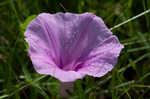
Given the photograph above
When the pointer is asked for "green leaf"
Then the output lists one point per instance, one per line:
(23, 27)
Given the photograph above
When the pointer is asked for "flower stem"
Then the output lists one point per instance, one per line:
(66, 88)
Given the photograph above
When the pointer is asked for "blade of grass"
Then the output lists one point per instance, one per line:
(137, 49)
(123, 85)
(4, 96)
(131, 19)
(146, 16)
(15, 11)
(26, 85)
(146, 75)
(141, 86)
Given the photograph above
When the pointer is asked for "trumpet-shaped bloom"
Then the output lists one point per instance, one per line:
(69, 46)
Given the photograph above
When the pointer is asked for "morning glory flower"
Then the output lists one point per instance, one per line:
(69, 46)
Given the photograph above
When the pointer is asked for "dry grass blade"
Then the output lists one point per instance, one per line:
(131, 19)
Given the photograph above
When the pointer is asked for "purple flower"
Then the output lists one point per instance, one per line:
(69, 46)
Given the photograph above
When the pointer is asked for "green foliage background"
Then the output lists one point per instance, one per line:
(130, 79)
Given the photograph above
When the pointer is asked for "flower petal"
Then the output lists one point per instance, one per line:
(74, 39)
(40, 41)
(43, 66)
(102, 58)
(83, 33)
